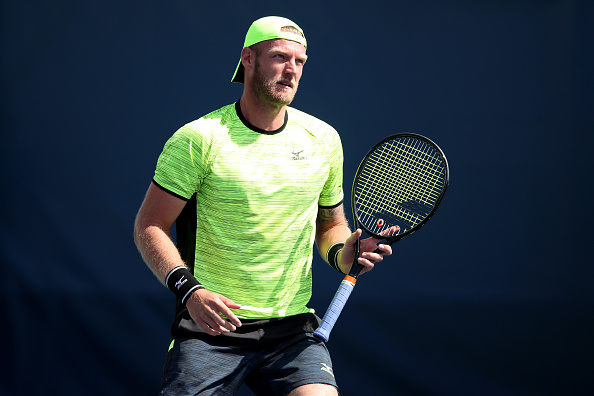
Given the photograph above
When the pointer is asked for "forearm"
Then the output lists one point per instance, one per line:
(157, 250)
(161, 256)
(331, 236)
(332, 228)
(338, 235)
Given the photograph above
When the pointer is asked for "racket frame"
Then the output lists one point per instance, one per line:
(357, 268)
(348, 283)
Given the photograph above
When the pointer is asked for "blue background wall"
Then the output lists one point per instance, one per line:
(493, 297)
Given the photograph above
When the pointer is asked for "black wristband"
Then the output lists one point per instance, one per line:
(182, 283)
(333, 253)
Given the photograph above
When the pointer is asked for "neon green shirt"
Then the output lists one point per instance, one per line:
(257, 196)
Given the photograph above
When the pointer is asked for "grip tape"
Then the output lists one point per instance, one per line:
(335, 308)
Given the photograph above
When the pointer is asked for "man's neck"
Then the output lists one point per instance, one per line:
(268, 117)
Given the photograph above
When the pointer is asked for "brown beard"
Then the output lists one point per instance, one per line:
(266, 89)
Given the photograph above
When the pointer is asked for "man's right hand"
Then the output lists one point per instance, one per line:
(206, 308)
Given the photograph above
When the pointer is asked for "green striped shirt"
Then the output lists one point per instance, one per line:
(257, 197)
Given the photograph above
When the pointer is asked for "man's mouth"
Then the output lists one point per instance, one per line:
(286, 83)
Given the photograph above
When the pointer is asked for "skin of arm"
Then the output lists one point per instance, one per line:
(157, 214)
(332, 227)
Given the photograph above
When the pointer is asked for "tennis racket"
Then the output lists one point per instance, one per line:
(400, 182)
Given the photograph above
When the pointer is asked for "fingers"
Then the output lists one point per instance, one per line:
(218, 323)
(372, 253)
(385, 250)
(390, 231)
(212, 312)
(368, 260)
(228, 313)
(213, 326)
(375, 256)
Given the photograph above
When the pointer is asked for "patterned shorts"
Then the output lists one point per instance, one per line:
(208, 367)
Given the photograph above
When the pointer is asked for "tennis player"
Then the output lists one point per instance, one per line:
(250, 187)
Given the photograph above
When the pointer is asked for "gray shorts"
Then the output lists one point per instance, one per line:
(208, 367)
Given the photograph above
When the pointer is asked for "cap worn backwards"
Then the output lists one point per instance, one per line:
(268, 28)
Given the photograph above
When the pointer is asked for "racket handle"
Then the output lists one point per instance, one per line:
(338, 302)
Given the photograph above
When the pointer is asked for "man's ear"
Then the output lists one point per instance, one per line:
(248, 58)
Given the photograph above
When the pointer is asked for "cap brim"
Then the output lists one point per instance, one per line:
(239, 73)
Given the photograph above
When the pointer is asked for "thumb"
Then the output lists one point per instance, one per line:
(353, 238)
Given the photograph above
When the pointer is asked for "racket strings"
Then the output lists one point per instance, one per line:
(410, 176)
(422, 174)
(400, 183)
(407, 188)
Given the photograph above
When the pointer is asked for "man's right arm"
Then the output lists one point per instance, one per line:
(157, 214)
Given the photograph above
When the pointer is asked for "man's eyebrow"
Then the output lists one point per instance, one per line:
(282, 51)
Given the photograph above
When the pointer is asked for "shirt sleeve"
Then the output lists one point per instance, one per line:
(333, 193)
(181, 167)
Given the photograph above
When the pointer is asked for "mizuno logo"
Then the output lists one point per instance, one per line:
(297, 156)
(327, 369)
(180, 282)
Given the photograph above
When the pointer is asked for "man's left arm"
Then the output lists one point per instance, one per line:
(332, 227)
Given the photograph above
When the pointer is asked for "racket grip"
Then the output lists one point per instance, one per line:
(338, 302)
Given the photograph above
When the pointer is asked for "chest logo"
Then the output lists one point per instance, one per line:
(298, 156)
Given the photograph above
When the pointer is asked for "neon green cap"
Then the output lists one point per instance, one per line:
(268, 28)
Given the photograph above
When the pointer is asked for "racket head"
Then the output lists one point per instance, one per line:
(400, 182)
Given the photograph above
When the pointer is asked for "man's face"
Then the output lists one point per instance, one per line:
(277, 71)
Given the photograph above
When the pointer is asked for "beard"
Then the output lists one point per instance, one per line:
(266, 89)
